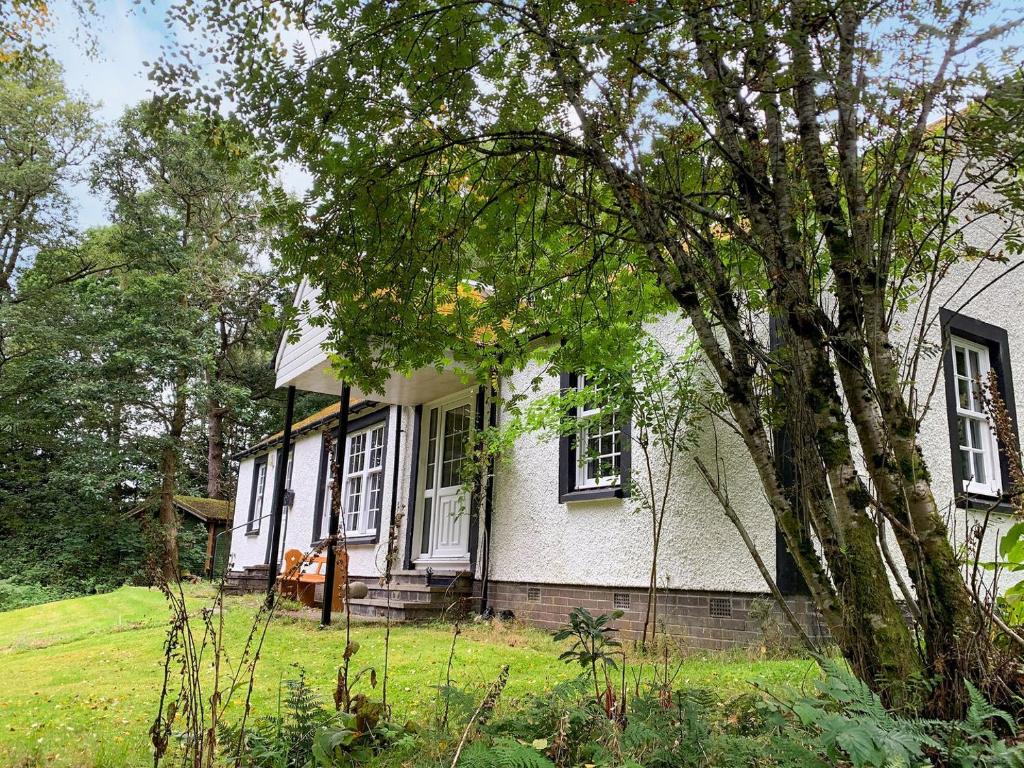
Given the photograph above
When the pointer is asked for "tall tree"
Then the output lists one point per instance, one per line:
(74, 452)
(595, 163)
(47, 136)
(186, 195)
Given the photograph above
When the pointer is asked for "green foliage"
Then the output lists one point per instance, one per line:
(689, 727)
(16, 594)
(308, 733)
(848, 722)
(116, 345)
(593, 648)
(554, 177)
(285, 740)
(1011, 559)
(593, 638)
(192, 540)
(503, 753)
(46, 137)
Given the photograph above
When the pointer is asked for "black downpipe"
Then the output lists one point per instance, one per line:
(333, 525)
(492, 421)
(279, 489)
(414, 470)
(394, 473)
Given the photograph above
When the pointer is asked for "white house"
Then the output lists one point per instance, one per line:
(551, 532)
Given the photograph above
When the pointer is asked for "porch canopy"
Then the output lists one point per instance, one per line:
(303, 364)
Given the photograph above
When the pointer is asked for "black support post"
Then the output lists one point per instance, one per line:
(485, 568)
(279, 481)
(332, 529)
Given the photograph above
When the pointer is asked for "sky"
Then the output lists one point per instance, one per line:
(126, 34)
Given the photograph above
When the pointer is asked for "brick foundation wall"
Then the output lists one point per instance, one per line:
(697, 619)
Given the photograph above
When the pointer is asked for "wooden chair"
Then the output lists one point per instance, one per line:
(288, 581)
(308, 578)
(317, 574)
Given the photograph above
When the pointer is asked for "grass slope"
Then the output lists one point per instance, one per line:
(81, 677)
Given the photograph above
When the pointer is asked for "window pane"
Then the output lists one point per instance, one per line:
(965, 465)
(431, 449)
(975, 433)
(961, 430)
(357, 453)
(961, 363)
(962, 390)
(376, 447)
(977, 402)
(456, 432)
(376, 493)
(425, 537)
(353, 502)
(975, 365)
(980, 475)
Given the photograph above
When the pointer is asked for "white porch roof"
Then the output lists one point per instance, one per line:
(303, 364)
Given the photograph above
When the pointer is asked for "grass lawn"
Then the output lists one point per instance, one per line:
(80, 678)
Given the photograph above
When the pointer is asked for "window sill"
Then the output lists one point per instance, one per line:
(252, 533)
(354, 541)
(976, 502)
(593, 494)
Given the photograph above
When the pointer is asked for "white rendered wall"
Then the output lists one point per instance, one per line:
(999, 303)
(366, 560)
(609, 542)
(251, 548)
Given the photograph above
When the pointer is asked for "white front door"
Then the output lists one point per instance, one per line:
(444, 525)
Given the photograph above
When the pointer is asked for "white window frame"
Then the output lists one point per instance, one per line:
(361, 521)
(987, 449)
(583, 462)
(257, 505)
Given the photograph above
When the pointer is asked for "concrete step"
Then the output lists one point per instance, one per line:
(407, 611)
(413, 595)
(418, 593)
(434, 578)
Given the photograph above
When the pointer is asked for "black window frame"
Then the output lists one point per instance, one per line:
(568, 460)
(996, 340)
(252, 523)
(354, 425)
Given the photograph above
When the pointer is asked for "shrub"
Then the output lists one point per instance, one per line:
(848, 722)
(306, 733)
(690, 727)
(15, 594)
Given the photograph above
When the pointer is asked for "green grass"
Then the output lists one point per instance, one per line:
(80, 678)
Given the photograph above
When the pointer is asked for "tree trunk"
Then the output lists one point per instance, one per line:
(215, 450)
(168, 517)
(168, 478)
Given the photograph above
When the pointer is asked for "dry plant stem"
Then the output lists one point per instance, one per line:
(456, 631)
(1003, 422)
(342, 693)
(389, 563)
(484, 710)
(201, 725)
(734, 518)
